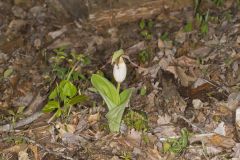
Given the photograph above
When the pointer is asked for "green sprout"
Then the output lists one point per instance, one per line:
(137, 120)
(175, 145)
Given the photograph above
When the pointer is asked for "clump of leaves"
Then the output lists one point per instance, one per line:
(175, 145)
(63, 61)
(16, 115)
(62, 98)
(144, 56)
(137, 120)
(61, 73)
(116, 102)
(146, 27)
(164, 36)
(202, 22)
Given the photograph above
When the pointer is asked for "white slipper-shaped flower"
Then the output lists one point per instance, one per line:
(120, 70)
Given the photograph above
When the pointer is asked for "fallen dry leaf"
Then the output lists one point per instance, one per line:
(197, 104)
(165, 119)
(94, 118)
(23, 155)
(154, 154)
(221, 141)
(221, 130)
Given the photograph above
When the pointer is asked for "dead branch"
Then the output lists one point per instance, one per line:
(135, 12)
(23, 122)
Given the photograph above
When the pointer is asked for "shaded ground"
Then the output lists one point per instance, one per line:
(191, 81)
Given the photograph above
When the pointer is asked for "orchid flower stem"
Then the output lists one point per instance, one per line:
(118, 87)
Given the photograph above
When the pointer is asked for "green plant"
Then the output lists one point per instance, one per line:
(63, 97)
(62, 72)
(116, 102)
(16, 115)
(144, 56)
(177, 145)
(136, 119)
(202, 22)
(164, 36)
(188, 27)
(146, 26)
(63, 61)
(126, 156)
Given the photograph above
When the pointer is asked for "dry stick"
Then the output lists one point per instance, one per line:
(23, 122)
(138, 10)
(191, 124)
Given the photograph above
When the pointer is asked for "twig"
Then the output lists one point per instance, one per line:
(23, 122)
(191, 124)
(197, 136)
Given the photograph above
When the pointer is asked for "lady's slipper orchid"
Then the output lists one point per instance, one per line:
(120, 70)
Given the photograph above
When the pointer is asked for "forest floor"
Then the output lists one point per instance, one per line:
(184, 70)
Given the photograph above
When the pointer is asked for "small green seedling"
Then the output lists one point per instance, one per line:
(188, 27)
(175, 145)
(146, 27)
(15, 116)
(126, 155)
(137, 120)
(164, 36)
(144, 56)
(202, 21)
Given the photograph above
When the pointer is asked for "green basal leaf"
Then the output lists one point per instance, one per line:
(126, 95)
(50, 106)
(116, 55)
(114, 115)
(68, 89)
(106, 89)
(77, 99)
